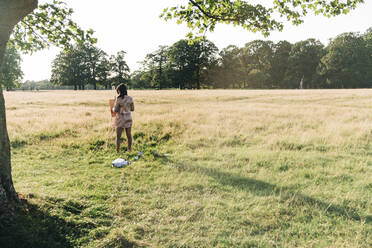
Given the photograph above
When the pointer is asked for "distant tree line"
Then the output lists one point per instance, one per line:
(86, 64)
(46, 84)
(42, 85)
(345, 63)
(182, 65)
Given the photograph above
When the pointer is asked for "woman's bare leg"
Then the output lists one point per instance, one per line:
(119, 131)
(128, 132)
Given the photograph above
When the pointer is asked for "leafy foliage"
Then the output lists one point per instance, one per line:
(67, 69)
(11, 72)
(279, 63)
(227, 70)
(119, 68)
(204, 15)
(94, 63)
(86, 64)
(50, 23)
(189, 61)
(157, 63)
(345, 63)
(183, 65)
(303, 62)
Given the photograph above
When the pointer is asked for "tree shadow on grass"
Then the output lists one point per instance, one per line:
(261, 188)
(34, 227)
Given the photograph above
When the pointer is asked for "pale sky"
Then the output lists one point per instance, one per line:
(135, 27)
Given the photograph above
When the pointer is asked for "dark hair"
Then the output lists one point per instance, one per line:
(122, 90)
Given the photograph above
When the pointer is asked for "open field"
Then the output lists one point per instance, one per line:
(221, 168)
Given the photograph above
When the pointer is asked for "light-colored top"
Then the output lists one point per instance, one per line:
(122, 108)
(123, 105)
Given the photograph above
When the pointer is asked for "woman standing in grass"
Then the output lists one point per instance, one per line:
(123, 120)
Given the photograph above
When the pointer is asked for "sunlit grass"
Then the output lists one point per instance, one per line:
(221, 168)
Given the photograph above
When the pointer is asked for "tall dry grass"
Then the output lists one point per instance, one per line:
(327, 117)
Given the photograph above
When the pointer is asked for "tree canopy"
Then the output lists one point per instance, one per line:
(85, 64)
(183, 65)
(347, 62)
(11, 72)
(50, 23)
(204, 15)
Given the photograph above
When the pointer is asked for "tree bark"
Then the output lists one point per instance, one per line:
(11, 12)
(198, 78)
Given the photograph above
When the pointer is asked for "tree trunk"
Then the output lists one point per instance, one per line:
(198, 78)
(11, 12)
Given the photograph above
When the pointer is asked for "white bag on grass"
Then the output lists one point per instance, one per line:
(119, 162)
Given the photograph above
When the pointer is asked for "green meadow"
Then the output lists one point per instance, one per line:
(220, 168)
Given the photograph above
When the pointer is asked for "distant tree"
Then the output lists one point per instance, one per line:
(82, 64)
(367, 36)
(11, 73)
(346, 64)
(104, 72)
(303, 63)
(246, 65)
(227, 71)
(157, 64)
(68, 68)
(146, 80)
(140, 80)
(255, 59)
(189, 60)
(119, 68)
(93, 61)
(205, 56)
(181, 63)
(280, 64)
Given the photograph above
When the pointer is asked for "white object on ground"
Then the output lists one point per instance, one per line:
(119, 162)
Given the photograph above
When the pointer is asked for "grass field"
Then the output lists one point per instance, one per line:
(221, 168)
